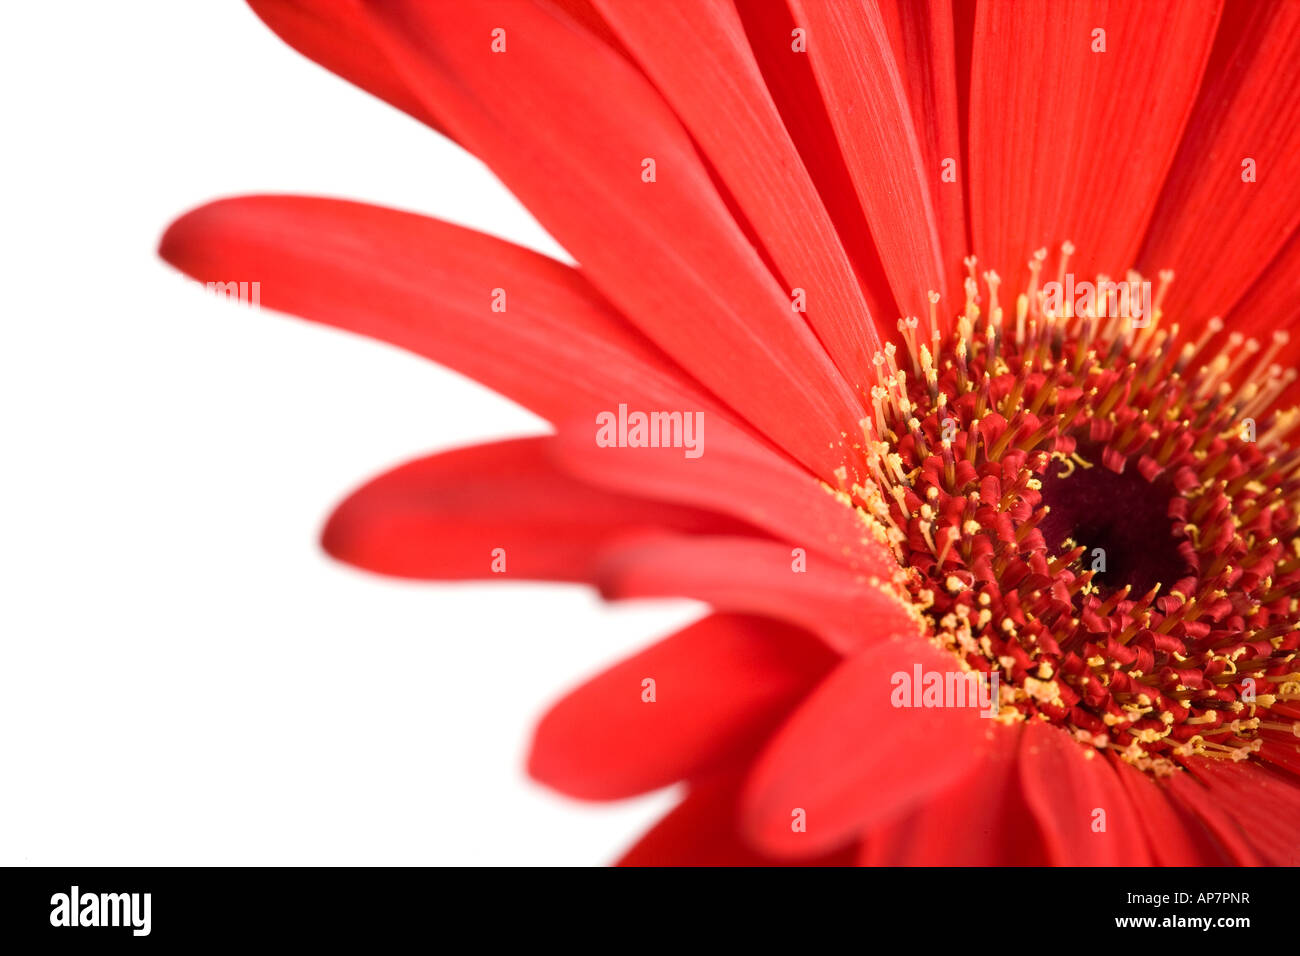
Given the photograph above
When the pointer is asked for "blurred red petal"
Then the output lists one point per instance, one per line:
(1282, 750)
(427, 286)
(336, 34)
(1264, 802)
(1192, 797)
(1086, 816)
(851, 761)
(981, 820)
(445, 516)
(701, 831)
(1175, 836)
(739, 476)
(721, 685)
(588, 14)
(847, 609)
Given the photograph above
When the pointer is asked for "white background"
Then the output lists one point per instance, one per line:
(184, 677)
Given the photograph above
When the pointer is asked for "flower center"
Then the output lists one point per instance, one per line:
(1121, 520)
(1083, 503)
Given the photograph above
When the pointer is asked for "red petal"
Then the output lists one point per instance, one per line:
(1269, 310)
(1193, 798)
(427, 286)
(445, 516)
(592, 20)
(721, 685)
(1070, 144)
(735, 475)
(922, 35)
(701, 831)
(699, 59)
(848, 610)
(790, 81)
(1264, 802)
(1217, 232)
(853, 61)
(993, 828)
(566, 123)
(1280, 750)
(336, 34)
(1175, 836)
(1272, 305)
(851, 761)
(1065, 786)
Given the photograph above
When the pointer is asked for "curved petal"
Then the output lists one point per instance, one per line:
(568, 124)
(850, 760)
(701, 831)
(848, 610)
(488, 511)
(853, 60)
(1217, 231)
(1086, 816)
(697, 55)
(336, 34)
(1071, 144)
(737, 475)
(992, 825)
(547, 340)
(720, 686)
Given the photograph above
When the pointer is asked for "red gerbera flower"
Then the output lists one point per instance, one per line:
(1070, 496)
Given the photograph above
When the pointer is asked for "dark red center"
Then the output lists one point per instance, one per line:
(1080, 507)
(1121, 520)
